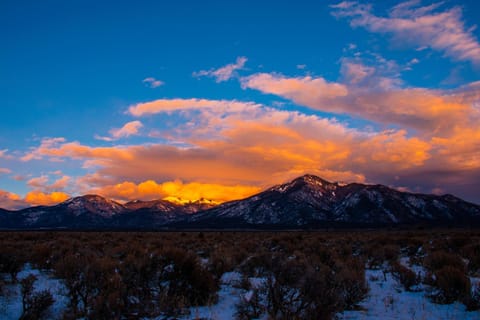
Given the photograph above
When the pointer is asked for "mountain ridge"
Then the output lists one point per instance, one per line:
(304, 202)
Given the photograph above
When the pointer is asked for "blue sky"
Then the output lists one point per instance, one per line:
(71, 70)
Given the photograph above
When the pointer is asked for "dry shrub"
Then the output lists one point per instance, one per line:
(250, 306)
(439, 259)
(185, 282)
(257, 265)
(472, 253)
(473, 302)
(11, 262)
(378, 254)
(34, 304)
(452, 285)
(352, 283)
(404, 275)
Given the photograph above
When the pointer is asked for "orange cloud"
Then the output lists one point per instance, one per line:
(244, 144)
(60, 184)
(377, 98)
(55, 148)
(251, 145)
(10, 201)
(461, 150)
(37, 198)
(394, 148)
(150, 190)
(301, 89)
(41, 183)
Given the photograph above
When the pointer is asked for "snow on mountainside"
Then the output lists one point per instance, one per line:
(310, 201)
(305, 202)
(161, 205)
(93, 203)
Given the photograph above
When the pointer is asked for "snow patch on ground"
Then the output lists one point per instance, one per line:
(388, 300)
(11, 300)
(228, 298)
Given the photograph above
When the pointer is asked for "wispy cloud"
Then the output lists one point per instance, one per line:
(4, 154)
(46, 143)
(377, 93)
(169, 105)
(153, 83)
(5, 171)
(224, 73)
(421, 26)
(129, 129)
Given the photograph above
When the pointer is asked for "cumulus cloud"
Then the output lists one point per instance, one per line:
(175, 190)
(38, 182)
(11, 201)
(152, 82)
(38, 198)
(42, 183)
(422, 26)
(228, 143)
(42, 193)
(246, 145)
(224, 73)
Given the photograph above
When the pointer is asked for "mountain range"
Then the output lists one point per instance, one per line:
(308, 202)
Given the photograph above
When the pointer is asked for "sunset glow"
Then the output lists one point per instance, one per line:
(156, 101)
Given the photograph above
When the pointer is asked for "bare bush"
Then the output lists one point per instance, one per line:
(452, 284)
(34, 304)
(404, 275)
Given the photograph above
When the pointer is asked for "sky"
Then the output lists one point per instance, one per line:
(184, 100)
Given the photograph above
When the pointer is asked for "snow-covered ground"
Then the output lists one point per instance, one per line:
(228, 297)
(386, 299)
(11, 301)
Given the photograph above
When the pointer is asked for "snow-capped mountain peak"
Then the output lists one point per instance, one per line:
(305, 202)
(94, 204)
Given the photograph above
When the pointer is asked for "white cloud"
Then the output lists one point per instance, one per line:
(224, 73)
(152, 82)
(420, 26)
(129, 129)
